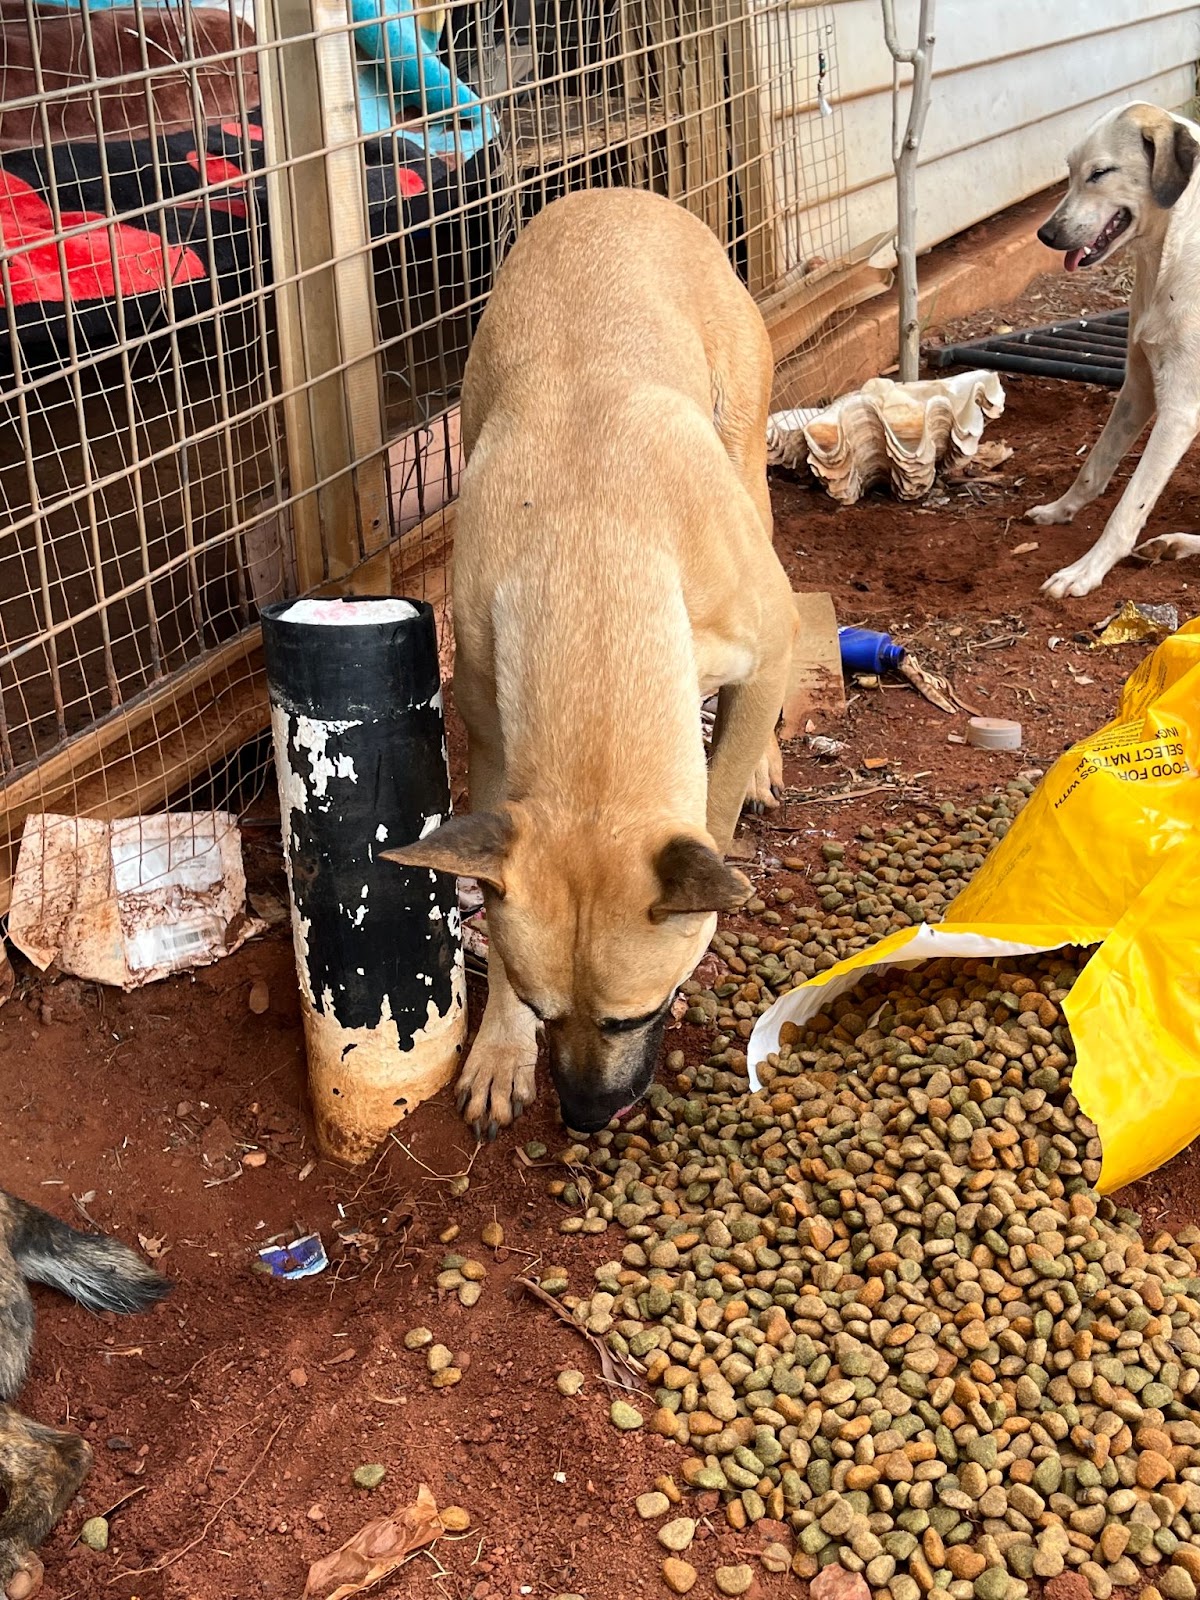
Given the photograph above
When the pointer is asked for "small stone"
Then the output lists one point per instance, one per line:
(570, 1382)
(455, 1519)
(94, 1533)
(316, 1512)
(679, 1576)
(447, 1378)
(733, 1580)
(255, 1158)
(625, 1416)
(298, 1378)
(677, 1534)
(1068, 1586)
(776, 1557)
(652, 1505)
(438, 1358)
(260, 1000)
(368, 1477)
(835, 1583)
(492, 1235)
(417, 1338)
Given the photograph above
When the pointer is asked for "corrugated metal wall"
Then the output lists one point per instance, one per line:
(1016, 81)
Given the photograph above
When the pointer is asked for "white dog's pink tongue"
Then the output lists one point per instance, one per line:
(1073, 258)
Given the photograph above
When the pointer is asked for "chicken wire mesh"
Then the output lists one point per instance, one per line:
(242, 249)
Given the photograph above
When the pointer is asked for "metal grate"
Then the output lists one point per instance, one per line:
(1086, 350)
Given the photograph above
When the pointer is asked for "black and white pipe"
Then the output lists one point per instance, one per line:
(360, 754)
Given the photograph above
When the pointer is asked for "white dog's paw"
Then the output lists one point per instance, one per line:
(497, 1082)
(765, 790)
(1045, 516)
(1169, 547)
(1080, 578)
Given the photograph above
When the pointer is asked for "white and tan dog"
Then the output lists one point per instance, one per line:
(613, 566)
(1133, 185)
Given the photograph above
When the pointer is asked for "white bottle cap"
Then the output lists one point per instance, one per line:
(993, 733)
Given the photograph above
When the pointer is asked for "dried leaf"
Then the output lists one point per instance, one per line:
(375, 1551)
(1025, 549)
(981, 466)
(153, 1248)
(340, 1359)
(936, 689)
(614, 1371)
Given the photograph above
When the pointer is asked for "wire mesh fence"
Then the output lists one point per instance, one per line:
(242, 250)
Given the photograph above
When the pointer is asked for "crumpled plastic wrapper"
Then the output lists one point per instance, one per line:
(1135, 622)
(130, 901)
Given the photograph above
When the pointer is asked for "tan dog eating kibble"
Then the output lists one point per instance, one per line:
(613, 566)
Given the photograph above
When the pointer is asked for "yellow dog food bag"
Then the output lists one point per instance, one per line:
(1106, 852)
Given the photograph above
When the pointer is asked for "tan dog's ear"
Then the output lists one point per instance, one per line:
(693, 878)
(1171, 150)
(474, 846)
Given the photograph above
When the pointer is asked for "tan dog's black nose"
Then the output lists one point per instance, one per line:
(1048, 234)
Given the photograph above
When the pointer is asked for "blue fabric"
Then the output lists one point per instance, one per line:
(389, 37)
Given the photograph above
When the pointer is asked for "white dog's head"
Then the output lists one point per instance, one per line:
(1126, 173)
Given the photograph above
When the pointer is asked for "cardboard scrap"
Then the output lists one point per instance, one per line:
(816, 686)
(130, 901)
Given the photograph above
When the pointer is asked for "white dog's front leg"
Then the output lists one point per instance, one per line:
(1173, 432)
(1131, 412)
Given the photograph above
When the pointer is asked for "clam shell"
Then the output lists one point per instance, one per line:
(885, 432)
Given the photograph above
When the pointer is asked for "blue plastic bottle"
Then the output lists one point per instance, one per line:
(863, 650)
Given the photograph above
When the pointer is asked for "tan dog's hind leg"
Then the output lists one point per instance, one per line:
(498, 1079)
(1132, 410)
(1169, 439)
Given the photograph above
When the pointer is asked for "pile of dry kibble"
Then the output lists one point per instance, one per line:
(881, 1302)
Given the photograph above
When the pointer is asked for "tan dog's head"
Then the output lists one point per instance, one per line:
(596, 931)
(1125, 175)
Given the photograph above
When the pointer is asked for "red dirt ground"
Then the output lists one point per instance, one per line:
(236, 1412)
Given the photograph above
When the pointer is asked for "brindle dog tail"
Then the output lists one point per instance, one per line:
(100, 1273)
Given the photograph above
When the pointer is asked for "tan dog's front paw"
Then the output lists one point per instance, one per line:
(497, 1082)
(766, 786)
(1045, 516)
